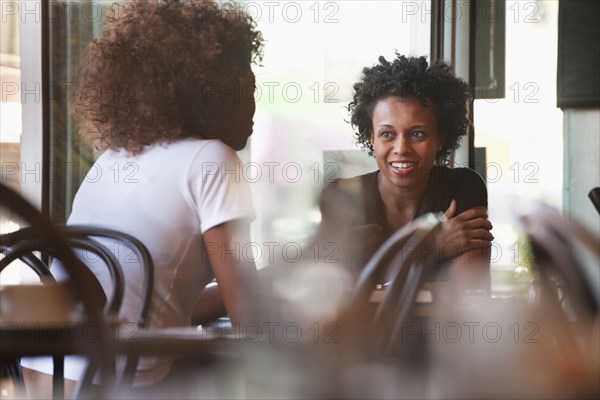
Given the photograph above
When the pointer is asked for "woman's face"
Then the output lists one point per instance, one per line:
(405, 140)
(240, 124)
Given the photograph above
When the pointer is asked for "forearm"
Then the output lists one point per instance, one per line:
(236, 276)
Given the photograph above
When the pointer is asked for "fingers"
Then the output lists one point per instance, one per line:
(451, 209)
(479, 223)
(479, 234)
(473, 213)
(479, 243)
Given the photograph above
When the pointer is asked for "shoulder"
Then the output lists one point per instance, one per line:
(456, 175)
(207, 150)
(464, 185)
(210, 156)
(348, 187)
(456, 178)
(344, 199)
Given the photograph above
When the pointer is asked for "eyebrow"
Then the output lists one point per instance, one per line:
(412, 127)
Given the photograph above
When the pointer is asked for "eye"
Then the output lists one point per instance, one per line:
(386, 134)
(418, 134)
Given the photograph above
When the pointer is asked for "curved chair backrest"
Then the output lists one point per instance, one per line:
(40, 224)
(92, 307)
(550, 234)
(41, 269)
(27, 241)
(23, 243)
(401, 258)
(91, 233)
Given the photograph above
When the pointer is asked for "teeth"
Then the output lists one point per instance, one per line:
(400, 165)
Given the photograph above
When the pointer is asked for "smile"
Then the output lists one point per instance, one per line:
(403, 165)
(403, 168)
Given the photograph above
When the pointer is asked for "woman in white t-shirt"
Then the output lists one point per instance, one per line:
(167, 93)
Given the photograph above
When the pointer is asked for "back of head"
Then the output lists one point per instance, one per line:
(159, 70)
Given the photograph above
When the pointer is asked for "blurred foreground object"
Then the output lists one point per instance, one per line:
(26, 333)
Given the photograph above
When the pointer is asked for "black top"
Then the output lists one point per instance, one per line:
(356, 201)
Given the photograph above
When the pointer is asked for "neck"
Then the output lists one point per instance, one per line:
(403, 201)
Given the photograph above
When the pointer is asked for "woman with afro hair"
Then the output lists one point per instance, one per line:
(166, 94)
(410, 115)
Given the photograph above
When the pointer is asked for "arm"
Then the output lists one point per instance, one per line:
(467, 238)
(224, 206)
(466, 231)
(236, 276)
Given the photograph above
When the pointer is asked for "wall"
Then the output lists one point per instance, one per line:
(581, 130)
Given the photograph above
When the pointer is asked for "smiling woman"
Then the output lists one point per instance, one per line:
(405, 140)
(410, 116)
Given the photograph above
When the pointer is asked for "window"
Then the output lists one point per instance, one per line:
(314, 53)
(10, 104)
(522, 136)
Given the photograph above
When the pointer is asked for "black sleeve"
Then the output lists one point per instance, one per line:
(330, 196)
(341, 202)
(470, 190)
(342, 205)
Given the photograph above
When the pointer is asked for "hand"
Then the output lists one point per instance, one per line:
(468, 230)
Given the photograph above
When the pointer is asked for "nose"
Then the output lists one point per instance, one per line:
(402, 145)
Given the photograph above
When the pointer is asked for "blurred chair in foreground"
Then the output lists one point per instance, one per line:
(403, 260)
(542, 347)
(26, 309)
(476, 346)
(34, 249)
(558, 245)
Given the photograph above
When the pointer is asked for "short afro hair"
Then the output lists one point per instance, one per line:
(411, 77)
(159, 72)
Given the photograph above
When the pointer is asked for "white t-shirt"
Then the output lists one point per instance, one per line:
(167, 197)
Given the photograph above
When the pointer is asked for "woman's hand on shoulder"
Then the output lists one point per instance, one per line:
(467, 230)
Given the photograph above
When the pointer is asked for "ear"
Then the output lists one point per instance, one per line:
(440, 143)
(372, 140)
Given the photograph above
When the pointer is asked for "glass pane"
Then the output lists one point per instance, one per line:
(522, 135)
(72, 25)
(10, 129)
(314, 53)
(10, 105)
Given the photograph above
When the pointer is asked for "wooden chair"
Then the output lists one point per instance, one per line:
(556, 242)
(403, 258)
(91, 234)
(79, 238)
(80, 282)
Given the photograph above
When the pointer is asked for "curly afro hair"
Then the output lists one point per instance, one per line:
(411, 77)
(164, 70)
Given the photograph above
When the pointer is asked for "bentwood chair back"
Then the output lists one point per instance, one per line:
(80, 283)
(26, 243)
(102, 239)
(403, 258)
(557, 243)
